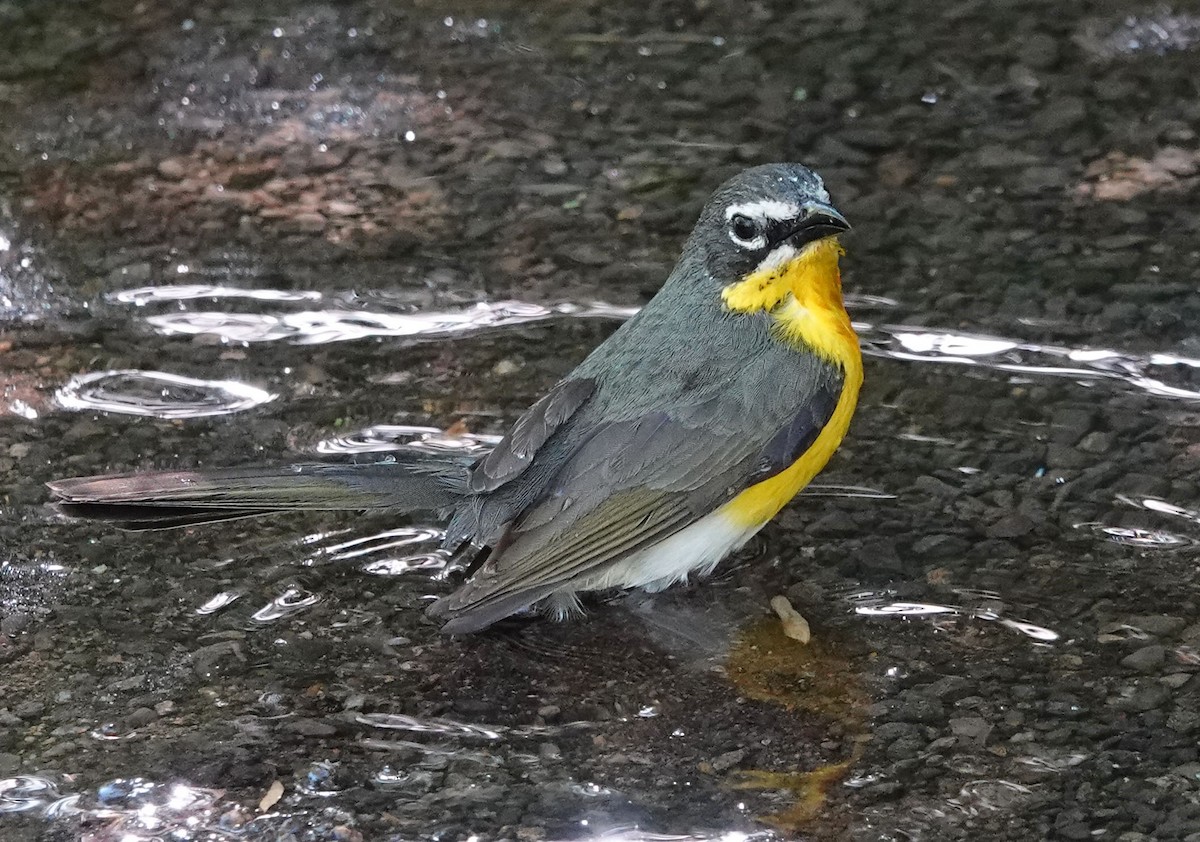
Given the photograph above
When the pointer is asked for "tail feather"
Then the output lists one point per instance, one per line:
(162, 499)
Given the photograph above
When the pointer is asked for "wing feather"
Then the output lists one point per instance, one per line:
(629, 485)
(516, 451)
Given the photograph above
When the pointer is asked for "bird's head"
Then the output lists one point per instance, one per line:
(767, 233)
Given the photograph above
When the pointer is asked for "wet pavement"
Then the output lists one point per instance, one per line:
(234, 234)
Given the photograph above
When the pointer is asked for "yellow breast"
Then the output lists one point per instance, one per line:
(804, 296)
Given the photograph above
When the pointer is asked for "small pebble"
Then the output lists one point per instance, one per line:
(794, 625)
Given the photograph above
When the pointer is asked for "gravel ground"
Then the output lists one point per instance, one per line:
(1005, 614)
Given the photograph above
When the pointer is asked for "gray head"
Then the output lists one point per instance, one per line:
(758, 211)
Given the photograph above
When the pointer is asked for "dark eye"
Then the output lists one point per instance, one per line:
(743, 227)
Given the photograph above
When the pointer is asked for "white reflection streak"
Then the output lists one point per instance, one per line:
(432, 725)
(901, 342)
(188, 292)
(385, 437)
(871, 604)
(404, 537)
(312, 327)
(128, 392)
(1000, 354)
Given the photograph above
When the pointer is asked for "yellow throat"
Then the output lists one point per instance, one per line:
(803, 293)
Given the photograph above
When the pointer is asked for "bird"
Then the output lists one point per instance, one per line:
(665, 450)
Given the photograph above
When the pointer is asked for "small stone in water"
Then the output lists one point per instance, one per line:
(794, 625)
(271, 798)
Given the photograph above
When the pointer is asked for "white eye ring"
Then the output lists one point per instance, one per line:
(740, 220)
(760, 213)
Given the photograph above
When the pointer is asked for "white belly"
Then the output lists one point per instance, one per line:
(696, 548)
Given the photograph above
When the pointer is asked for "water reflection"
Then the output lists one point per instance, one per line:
(321, 326)
(217, 602)
(26, 292)
(136, 810)
(989, 795)
(884, 604)
(390, 319)
(1147, 372)
(915, 344)
(291, 601)
(422, 552)
(142, 296)
(859, 492)
(26, 792)
(384, 437)
(157, 394)
(430, 725)
(1151, 539)
(1163, 507)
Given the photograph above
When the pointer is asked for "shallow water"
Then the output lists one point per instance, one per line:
(232, 236)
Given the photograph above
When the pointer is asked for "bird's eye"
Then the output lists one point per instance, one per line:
(743, 227)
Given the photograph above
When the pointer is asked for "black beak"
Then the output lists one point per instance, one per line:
(819, 220)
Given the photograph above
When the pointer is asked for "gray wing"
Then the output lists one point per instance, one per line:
(516, 450)
(630, 485)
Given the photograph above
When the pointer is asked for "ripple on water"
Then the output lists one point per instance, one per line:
(311, 327)
(863, 492)
(444, 727)
(900, 342)
(376, 553)
(123, 808)
(919, 344)
(343, 324)
(26, 792)
(156, 394)
(217, 602)
(1148, 539)
(989, 795)
(884, 604)
(142, 296)
(291, 601)
(1163, 507)
(430, 725)
(386, 437)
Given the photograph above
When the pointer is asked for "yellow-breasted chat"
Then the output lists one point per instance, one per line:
(666, 449)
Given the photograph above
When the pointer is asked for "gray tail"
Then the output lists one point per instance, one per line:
(164, 499)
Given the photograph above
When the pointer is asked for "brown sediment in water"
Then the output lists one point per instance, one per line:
(817, 678)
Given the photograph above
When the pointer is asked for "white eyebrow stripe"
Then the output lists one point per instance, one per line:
(771, 209)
